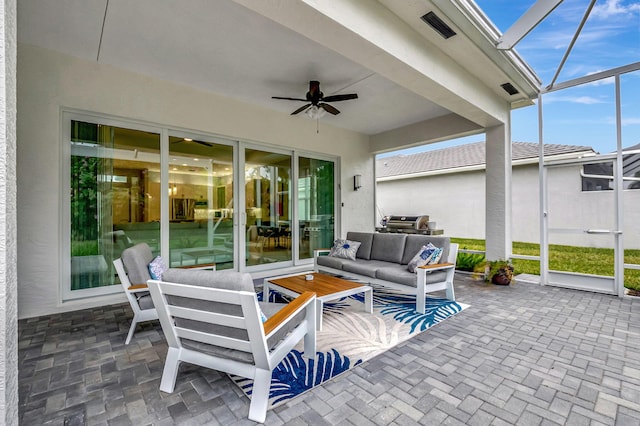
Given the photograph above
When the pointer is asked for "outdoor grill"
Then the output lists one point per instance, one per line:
(407, 223)
(411, 225)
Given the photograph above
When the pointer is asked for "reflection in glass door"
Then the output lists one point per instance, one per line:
(267, 182)
(200, 203)
(316, 205)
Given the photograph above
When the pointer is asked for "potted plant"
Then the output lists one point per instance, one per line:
(498, 272)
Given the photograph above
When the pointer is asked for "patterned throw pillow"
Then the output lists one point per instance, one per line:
(157, 267)
(423, 257)
(344, 248)
(435, 258)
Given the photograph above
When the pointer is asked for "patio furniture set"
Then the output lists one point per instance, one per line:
(214, 319)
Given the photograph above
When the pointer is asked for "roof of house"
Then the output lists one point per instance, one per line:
(472, 154)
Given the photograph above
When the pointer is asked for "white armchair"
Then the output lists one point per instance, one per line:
(212, 319)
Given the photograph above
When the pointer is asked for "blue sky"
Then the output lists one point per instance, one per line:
(583, 115)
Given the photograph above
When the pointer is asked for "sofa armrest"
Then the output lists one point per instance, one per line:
(321, 252)
(135, 288)
(437, 267)
(289, 311)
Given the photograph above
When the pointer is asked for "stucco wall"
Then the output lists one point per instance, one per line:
(49, 81)
(456, 203)
(8, 275)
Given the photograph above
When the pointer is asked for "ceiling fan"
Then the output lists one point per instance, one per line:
(317, 100)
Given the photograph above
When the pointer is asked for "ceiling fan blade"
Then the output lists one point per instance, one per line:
(330, 109)
(336, 98)
(302, 108)
(289, 99)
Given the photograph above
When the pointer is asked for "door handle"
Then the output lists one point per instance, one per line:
(598, 231)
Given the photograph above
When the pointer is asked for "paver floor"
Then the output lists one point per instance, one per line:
(524, 355)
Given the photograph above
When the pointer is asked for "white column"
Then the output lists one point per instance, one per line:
(8, 274)
(498, 192)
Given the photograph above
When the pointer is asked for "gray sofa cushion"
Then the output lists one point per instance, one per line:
(388, 247)
(400, 274)
(331, 262)
(367, 268)
(136, 261)
(415, 242)
(366, 240)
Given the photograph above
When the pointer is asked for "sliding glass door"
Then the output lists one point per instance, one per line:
(267, 182)
(200, 202)
(176, 191)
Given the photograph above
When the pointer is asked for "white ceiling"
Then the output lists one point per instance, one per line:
(223, 47)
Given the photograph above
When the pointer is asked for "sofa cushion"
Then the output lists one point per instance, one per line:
(414, 242)
(399, 274)
(366, 240)
(367, 268)
(136, 260)
(331, 262)
(389, 247)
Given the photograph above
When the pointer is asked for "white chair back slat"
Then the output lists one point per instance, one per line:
(208, 317)
(203, 293)
(214, 339)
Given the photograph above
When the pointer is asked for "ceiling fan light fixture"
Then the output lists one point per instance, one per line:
(314, 112)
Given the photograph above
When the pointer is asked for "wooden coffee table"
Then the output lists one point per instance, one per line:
(326, 287)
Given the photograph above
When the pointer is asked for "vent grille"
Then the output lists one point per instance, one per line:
(438, 24)
(508, 87)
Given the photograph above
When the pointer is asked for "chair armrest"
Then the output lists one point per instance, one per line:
(437, 267)
(134, 288)
(289, 311)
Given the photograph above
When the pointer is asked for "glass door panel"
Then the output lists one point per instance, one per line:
(200, 203)
(115, 198)
(316, 205)
(267, 183)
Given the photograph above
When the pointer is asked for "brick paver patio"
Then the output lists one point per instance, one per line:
(524, 354)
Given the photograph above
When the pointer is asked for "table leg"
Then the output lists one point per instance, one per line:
(319, 306)
(265, 290)
(368, 300)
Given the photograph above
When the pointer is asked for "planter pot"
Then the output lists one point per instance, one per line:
(501, 279)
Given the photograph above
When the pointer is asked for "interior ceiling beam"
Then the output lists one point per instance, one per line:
(526, 23)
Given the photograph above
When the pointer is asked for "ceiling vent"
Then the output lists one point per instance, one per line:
(508, 87)
(438, 24)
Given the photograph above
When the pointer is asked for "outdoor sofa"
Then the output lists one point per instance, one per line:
(383, 258)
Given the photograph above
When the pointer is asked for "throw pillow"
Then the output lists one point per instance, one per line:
(344, 248)
(157, 267)
(422, 258)
(435, 258)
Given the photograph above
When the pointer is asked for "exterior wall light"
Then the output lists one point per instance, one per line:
(357, 182)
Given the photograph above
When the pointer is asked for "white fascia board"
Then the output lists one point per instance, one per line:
(476, 167)
(467, 16)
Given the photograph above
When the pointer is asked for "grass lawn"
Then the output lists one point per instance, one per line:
(586, 260)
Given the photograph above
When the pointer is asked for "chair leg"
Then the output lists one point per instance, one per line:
(260, 396)
(449, 291)
(310, 337)
(170, 372)
(132, 329)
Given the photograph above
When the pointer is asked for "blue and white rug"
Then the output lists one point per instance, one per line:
(351, 336)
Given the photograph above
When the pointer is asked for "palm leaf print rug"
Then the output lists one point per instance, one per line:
(351, 336)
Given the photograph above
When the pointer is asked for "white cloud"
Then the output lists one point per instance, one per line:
(583, 100)
(614, 8)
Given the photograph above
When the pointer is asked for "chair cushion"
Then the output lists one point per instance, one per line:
(136, 260)
(400, 274)
(367, 268)
(144, 300)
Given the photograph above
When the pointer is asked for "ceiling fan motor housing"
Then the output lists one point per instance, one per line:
(314, 95)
